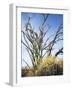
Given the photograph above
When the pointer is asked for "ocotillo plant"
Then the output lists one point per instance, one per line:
(35, 44)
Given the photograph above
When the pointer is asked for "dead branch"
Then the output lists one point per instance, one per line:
(60, 51)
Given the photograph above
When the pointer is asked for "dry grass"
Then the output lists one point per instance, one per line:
(49, 66)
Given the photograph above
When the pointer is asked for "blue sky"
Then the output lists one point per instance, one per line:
(54, 20)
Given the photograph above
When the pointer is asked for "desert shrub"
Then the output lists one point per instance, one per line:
(27, 72)
(50, 66)
(23, 72)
